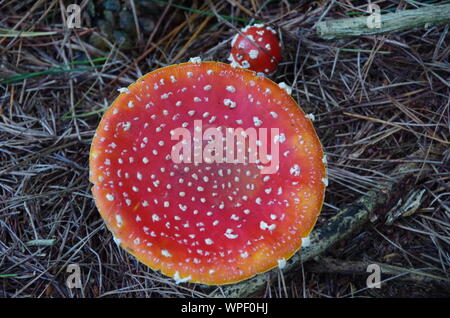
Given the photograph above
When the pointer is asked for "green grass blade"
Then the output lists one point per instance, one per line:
(361, 50)
(8, 275)
(98, 59)
(226, 17)
(18, 78)
(94, 112)
(6, 33)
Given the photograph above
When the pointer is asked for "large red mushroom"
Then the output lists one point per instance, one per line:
(212, 222)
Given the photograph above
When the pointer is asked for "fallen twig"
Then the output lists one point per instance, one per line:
(424, 17)
(331, 265)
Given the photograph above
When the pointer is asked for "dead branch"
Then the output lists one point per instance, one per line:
(331, 265)
(424, 17)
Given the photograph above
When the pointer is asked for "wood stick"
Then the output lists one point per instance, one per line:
(424, 17)
(331, 265)
(49, 242)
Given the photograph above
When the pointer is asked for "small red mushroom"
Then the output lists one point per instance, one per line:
(213, 222)
(256, 47)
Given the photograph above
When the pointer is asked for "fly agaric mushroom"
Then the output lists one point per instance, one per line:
(257, 47)
(211, 221)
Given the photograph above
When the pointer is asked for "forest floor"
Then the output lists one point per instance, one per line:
(377, 100)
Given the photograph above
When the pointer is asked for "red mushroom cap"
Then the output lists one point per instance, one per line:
(257, 47)
(209, 222)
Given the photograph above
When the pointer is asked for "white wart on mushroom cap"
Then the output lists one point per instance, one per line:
(212, 223)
